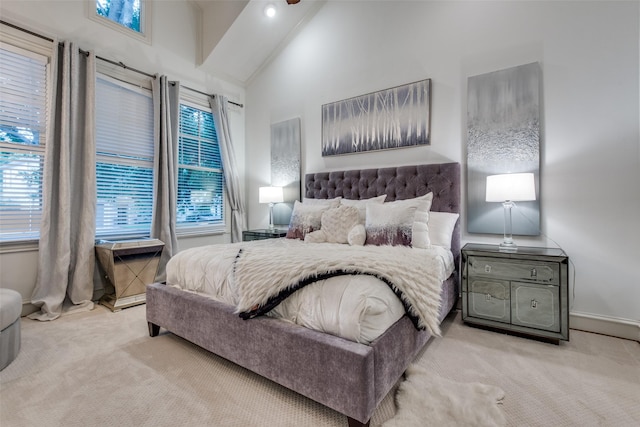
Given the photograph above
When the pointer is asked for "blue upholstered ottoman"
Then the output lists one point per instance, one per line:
(10, 309)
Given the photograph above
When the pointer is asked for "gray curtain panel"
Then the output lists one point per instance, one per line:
(166, 104)
(66, 255)
(236, 201)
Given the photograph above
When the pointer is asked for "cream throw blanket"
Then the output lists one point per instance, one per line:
(415, 275)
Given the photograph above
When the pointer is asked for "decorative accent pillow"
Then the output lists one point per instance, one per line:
(392, 223)
(317, 236)
(338, 222)
(305, 219)
(357, 235)
(441, 226)
(420, 230)
(361, 205)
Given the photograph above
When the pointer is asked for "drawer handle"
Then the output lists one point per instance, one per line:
(487, 268)
(534, 273)
(487, 297)
(534, 303)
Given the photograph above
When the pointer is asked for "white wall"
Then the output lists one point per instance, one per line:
(590, 156)
(174, 51)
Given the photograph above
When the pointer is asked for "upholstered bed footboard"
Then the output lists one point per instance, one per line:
(330, 370)
(348, 377)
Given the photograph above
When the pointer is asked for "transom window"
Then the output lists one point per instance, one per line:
(131, 17)
(123, 12)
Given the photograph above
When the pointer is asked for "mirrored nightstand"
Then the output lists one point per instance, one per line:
(263, 233)
(524, 292)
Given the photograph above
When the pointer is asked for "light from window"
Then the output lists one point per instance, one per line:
(124, 12)
(23, 89)
(200, 176)
(124, 159)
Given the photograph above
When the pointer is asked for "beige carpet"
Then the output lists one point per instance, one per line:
(102, 369)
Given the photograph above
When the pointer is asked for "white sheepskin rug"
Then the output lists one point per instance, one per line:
(426, 399)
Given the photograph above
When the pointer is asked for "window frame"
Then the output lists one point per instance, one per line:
(145, 21)
(186, 230)
(31, 45)
(143, 87)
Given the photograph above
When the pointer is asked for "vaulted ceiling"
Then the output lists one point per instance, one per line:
(238, 39)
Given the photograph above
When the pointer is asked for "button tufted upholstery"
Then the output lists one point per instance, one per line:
(398, 183)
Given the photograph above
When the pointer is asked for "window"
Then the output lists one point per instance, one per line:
(200, 178)
(23, 100)
(124, 159)
(123, 12)
(127, 16)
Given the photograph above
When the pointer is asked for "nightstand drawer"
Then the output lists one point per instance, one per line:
(535, 306)
(490, 299)
(511, 269)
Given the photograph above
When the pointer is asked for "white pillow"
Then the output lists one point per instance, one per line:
(338, 222)
(357, 235)
(361, 205)
(441, 226)
(317, 236)
(332, 203)
(420, 230)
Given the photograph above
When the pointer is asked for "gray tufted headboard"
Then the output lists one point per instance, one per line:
(398, 183)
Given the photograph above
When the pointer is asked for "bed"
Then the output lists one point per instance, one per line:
(348, 376)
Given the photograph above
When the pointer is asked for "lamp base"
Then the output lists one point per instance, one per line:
(508, 247)
(507, 244)
(271, 226)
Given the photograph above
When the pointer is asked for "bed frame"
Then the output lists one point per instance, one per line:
(348, 377)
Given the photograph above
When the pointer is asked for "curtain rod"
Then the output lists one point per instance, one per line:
(206, 94)
(24, 30)
(119, 63)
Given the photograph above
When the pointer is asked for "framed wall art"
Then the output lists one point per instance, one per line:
(503, 137)
(285, 166)
(392, 118)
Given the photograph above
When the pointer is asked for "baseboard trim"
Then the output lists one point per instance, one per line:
(615, 327)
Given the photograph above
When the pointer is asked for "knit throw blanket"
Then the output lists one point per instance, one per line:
(264, 276)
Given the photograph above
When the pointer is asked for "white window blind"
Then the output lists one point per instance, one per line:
(23, 116)
(124, 159)
(200, 178)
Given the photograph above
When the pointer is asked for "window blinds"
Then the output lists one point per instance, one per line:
(124, 159)
(23, 95)
(200, 177)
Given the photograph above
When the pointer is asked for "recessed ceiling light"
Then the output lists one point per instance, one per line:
(270, 10)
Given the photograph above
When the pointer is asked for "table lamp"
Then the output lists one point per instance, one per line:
(508, 188)
(271, 195)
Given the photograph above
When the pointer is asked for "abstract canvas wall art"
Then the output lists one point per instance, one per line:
(285, 166)
(391, 118)
(503, 136)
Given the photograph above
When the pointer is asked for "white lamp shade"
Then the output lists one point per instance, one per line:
(511, 186)
(271, 195)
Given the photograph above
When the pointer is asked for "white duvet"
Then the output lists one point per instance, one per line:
(355, 307)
